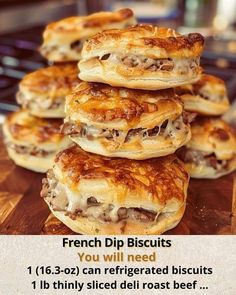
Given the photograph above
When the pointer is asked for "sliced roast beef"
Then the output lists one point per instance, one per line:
(201, 158)
(141, 214)
(28, 150)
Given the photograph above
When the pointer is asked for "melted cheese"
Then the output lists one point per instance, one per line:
(75, 201)
(117, 141)
(181, 65)
(171, 130)
(66, 200)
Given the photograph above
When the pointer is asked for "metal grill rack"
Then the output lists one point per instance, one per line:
(18, 56)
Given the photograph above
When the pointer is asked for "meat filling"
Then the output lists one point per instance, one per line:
(75, 46)
(203, 93)
(38, 102)
(56, 196)
(29, 150)
(182, 66)
(167, 129)
(214, 97)
(202, 158)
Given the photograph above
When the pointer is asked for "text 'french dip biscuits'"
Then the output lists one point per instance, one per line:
(211, 152)
(121, 122)
(142, 57)
(43, 92)
(63, 40)
(208, 96)
(98, 195)
(33, 142)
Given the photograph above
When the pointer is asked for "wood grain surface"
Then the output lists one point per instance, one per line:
(211, 204)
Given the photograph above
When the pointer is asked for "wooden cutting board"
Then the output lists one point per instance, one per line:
(211, 205)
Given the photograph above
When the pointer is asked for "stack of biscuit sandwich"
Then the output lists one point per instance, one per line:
(32, 134)
(122, 176)
(211, 152)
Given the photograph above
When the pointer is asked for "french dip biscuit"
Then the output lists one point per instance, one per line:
(121, 122)
(208, 96)
(98, 195)
(211, 152)
(43, 92)
(142, 57)
(33, 142)
(63, 40)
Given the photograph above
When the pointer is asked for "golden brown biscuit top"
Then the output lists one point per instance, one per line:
(213, 84)
(99, 19)
(213, 135)
(164, 177)
(24, 127)
(57, 80)
(147, 37)
(217, 128)
(104, 103)
(209, 79)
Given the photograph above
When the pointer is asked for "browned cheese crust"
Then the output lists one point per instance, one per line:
(26, 128)
(151, 40)
(164, 178)
(103, 103)
(54, 81)
(99, 19)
